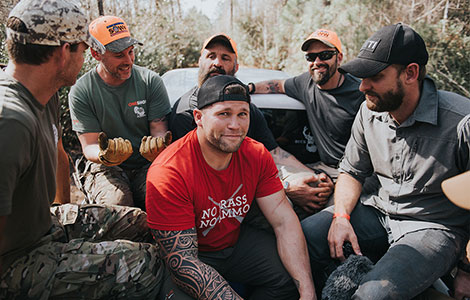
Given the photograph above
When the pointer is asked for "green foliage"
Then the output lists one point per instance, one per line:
(3, 52)
(269, 34)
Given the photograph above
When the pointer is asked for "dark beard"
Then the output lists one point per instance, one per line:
(203, 76)
(390, 101)
(322, 78)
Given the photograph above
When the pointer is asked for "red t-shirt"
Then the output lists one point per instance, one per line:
(183, 191)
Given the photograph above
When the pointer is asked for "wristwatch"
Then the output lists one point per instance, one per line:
(251, 88)
(285, 184)
(463, 266)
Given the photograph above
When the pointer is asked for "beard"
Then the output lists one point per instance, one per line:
(389, 101)
(321, 78)
(204, 75)
(221, 145)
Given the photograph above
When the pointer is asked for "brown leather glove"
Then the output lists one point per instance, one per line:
(151, 147)
(113, 151)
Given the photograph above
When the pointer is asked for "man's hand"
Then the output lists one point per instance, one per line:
(341, 231)
(113, 151)
(309, 191)
(151, 147)
(462, 285)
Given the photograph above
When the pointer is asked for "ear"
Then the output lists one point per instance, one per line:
(236, 66)
(197, 114)
(411, 73)
(61, 55)
(95, 54)
(340, 58)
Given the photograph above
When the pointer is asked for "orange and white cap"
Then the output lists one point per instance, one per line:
(457, 189)
(112, 32)
(224, 39)
(327, 37)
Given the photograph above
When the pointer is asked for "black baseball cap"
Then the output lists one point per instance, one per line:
(393, 44)
(214, 90)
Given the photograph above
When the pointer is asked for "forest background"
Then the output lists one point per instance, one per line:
(269, 33)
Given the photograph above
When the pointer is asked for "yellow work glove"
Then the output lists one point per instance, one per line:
(151, 147)
(113, 151)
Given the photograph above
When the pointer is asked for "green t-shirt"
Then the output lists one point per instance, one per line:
(119, 111)
(28, 147)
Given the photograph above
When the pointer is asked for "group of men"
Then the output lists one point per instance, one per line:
(203, 193)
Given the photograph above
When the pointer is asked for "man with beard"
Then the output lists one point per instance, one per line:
(331, 99)
(219, 57)
(66, 251)
(127, 104)
(198, 194)
(412, 136)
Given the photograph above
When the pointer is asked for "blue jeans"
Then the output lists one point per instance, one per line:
(402, 270)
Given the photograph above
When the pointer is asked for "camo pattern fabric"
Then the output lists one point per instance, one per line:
(87, 267)
(111, 185)
(51, 22)
(96, 223)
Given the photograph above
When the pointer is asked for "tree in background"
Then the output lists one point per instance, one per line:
(269, 33)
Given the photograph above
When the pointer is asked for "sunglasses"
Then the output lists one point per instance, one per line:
(324, 55)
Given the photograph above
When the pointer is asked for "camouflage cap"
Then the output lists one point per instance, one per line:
(50, 22)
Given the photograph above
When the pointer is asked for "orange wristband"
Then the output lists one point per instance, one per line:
(346, 216)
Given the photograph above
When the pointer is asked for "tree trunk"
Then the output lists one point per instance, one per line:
(100, 8)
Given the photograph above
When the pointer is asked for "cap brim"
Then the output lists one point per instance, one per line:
(307, 43)
(363, 68)
(122, 44)
(457, 189)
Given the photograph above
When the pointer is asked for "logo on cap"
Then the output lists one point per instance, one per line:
(370, 45)
(117, 28)
(323, 33)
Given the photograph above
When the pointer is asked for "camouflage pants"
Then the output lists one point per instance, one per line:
(88, 255)
(111, 185)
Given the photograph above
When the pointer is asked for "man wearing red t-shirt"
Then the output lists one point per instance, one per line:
(199, 191)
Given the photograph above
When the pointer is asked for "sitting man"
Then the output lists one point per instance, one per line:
(412, 136)
(123, 102)
(71, 254)
(199, 191)
(219, 57)
(331, 99)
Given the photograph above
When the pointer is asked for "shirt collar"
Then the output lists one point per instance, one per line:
(188, 101)
(427, 109)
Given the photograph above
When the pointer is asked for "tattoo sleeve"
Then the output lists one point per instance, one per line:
(179, 250)
(274, 87)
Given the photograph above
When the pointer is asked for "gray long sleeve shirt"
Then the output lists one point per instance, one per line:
(412, 159)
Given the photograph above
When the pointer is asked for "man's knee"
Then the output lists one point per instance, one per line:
(315, 229)
(96, 222)
(377, 290)
(107, 185)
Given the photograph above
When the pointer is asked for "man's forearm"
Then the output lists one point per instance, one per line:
(194, 277)
(158, 127)
(62, 195)
(292, 250)
(269, 87)
(347, 192)
(288, 161)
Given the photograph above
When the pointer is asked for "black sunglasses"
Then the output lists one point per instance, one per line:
(324, 55)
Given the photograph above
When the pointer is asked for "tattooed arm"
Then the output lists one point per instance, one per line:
(269, 87)
(158, 127)
(290, 240)
(179, 250)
